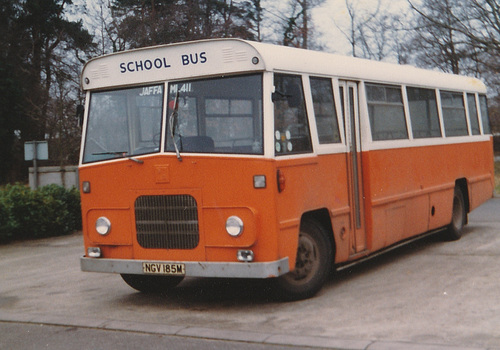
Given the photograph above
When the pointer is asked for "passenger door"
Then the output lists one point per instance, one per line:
(350, 110)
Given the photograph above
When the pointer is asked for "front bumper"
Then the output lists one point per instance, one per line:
(193, 268)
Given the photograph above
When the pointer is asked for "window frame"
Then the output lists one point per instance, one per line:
(334, 117)
(471, 117)
(202, 116)
(402, 105)
(134, 132)
(282, 150)
(484, 118)
(411, 120)
(443, 108)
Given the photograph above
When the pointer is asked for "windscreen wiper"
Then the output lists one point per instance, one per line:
(121, 154)
(172, 121)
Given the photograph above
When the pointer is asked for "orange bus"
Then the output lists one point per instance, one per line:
(228, 158)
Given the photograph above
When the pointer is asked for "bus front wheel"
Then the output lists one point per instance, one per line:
(152, 284)
(312, 266)
(458, 216)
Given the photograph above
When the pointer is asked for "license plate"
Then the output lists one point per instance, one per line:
(164, 269)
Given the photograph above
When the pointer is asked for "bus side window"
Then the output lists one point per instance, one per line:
(386, 112)
(471, 105)
(291, 129)
(484, 114)
(342, 107)
(324, 110)
(423, 112)
(455, 123)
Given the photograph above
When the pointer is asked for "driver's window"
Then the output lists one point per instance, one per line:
(291, 129)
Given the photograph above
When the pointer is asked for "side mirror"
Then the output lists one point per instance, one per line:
(80, 111)
(278, 96)
(293, 96)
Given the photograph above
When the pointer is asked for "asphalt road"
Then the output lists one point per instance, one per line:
(428, 295)
(22, 336)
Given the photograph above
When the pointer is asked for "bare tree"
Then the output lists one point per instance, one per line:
(254, 17)
(477, 22)
(144, 23)
(461, 36)
(297, 28)
(103, 24)
(381, 37)
(356, 30)
(437, 42)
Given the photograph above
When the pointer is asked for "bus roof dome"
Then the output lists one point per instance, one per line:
(213, 57)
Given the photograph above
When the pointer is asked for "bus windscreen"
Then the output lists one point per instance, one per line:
(220, 115)
(124, 123)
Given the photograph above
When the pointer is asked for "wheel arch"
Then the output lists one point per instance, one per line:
(463, 186)
(322, 216)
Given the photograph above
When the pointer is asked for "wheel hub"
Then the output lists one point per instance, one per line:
(307, 259)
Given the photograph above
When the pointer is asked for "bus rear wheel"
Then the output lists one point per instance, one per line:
(312, 266)
(152, 284)
(458, 216)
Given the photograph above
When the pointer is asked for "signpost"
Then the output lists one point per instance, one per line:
(36, 150)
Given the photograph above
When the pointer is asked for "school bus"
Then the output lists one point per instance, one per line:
(228, 158)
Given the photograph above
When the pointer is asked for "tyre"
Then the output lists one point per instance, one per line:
(312, 267)
(458, 217)
(152, 284)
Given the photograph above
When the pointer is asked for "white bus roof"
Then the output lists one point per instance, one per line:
(226, 56)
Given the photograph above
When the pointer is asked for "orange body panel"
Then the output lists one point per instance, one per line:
(221, 187)
(311, 184)
(407, 191)
(410, 190)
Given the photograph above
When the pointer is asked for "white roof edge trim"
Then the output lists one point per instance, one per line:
(359, 69)
(425, 142)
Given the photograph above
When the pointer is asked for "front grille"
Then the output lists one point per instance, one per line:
(169, 222)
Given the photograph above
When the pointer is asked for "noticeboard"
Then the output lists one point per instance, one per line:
(42, 150)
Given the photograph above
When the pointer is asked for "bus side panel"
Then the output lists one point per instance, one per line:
(311, 184)
(410, 190)
(482, 187)
(481, 190)
(442, 201)
(396, 206)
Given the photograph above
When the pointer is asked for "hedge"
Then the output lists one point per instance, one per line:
(49, 211)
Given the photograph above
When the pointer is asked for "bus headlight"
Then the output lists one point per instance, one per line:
(103, 225)
(234, 226)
